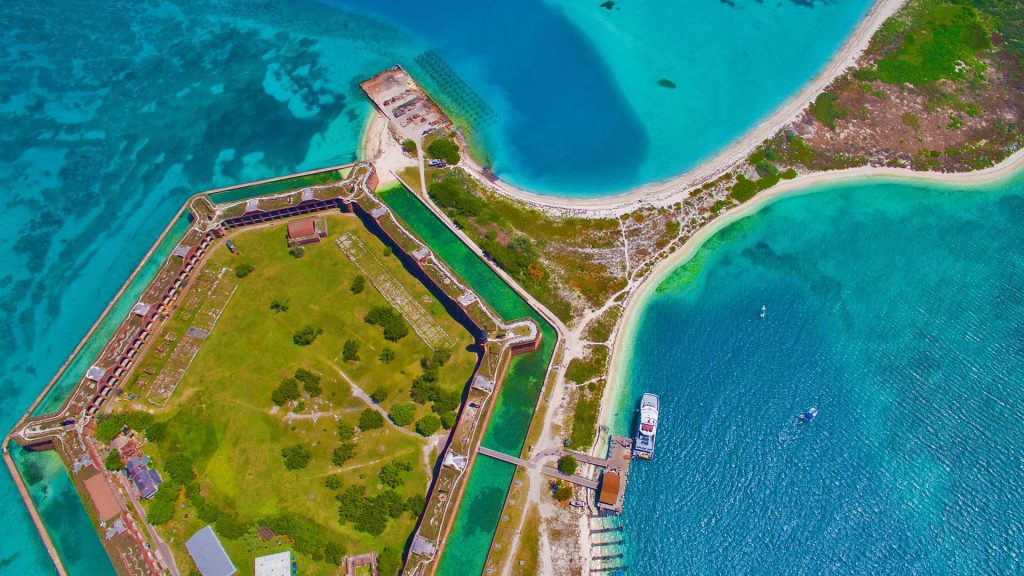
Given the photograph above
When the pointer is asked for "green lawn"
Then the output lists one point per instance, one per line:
(223, 418)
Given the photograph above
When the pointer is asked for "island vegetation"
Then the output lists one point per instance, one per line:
(271, 434)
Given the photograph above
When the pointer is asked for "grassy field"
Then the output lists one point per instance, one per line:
(223, 419)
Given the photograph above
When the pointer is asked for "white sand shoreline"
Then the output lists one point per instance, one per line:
(673, 189)
(622, 347)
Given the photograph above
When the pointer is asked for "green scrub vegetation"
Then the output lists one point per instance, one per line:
(262, 432)
(940, 41)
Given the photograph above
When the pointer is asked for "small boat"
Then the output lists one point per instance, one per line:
(577, 503)
(809, 415)
(763, 310)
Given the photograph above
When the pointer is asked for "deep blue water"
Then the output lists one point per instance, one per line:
(899, 312)
(114, 112)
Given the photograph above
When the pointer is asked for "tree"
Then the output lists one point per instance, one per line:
(334, 553)
(444, 149)
(391, 473)
(448, 420)
(296, 457)
(279, 304)
(402, 414)
(180, 468)
(370, 419)
(428, 425)
(567, 464)
(108, 428)
(409, 146)
(333, 482)
(285, 392)
(244, 269)
(346, 431)
(298, 252)
(358, 284)
(446, 401)
(156, 431)
(390, 320)
(113, 462)
(343, 453)
(310, 381)
(379, 395)
(350, 352)
(415, 504)
(306, 335)
(562, 491)
(387, 355)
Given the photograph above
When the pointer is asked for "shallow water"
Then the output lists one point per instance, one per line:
(115, 112)
(897, 311)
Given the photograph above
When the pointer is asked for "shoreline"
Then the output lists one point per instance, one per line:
(672, 189)
(625, 334)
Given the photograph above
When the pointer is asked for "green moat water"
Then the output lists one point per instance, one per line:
(489, 480)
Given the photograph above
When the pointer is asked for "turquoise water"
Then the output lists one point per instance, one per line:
(63, 513)
(899, 312)
(489, 479)
(574, 89)
(140, 104)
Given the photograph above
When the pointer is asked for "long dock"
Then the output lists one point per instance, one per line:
(546, 470)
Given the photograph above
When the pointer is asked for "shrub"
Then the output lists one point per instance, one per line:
(113, 462)
(428, 425)
(310, 381)
(297, 252)
(562, 491)
(287, 390)
(402, 414)
(446, 401)
(379, 395)
(415, 504)
(826, 109)
(391, 473)
(448, 420)
(244, 269)
(343, 453)
(108, 428)
(390, 320)
(333, 482)
(358, 284)
(370, 419)
(350, 352)
(387, 355)
(567, 464)
(180, 468)
(156, 431)
(444, 149)
(296, 457)
(279, 305)
(346, 431)
(306, 335)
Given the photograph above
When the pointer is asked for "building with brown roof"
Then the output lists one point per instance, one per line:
(102, 497)
(305, 231)
(609, 495)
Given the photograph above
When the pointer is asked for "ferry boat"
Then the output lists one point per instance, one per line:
(648, 429)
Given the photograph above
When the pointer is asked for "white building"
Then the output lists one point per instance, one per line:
(279, 564)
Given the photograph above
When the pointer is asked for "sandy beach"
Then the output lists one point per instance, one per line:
(673, 189)
(806, 184)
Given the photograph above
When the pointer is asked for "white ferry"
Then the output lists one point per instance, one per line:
(648, 428)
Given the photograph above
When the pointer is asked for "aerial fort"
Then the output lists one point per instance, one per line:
(134, 430)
